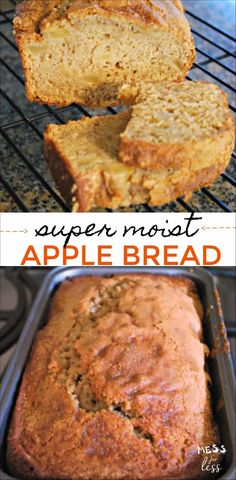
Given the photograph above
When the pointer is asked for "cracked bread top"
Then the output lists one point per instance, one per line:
(34, 16)
(115, 387)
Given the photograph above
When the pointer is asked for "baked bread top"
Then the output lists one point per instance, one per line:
(115, 387)
(36, 15)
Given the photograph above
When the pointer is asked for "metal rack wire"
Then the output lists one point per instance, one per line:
(214, 62)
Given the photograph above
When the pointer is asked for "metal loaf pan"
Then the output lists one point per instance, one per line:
(220, 365)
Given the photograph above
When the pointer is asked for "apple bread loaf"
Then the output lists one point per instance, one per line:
(83, 51)
(116, 387)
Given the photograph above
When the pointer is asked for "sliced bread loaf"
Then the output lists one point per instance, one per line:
(177, 125)
(83, 158)
(84, 50)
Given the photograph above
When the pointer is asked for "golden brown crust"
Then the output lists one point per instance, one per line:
(83, 196)
(193, 155)
(80, 192)
(142, 154)
(147, 406)
(83, 190)
(31, 14)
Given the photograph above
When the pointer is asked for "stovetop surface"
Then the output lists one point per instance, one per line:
(19, 287)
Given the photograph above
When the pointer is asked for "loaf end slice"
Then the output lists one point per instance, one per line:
(177, 125)
(84, 51)
(83, 159)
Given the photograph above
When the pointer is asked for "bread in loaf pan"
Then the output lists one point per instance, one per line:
(115, 387)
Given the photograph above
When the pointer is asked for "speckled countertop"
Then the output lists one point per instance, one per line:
(27, 138)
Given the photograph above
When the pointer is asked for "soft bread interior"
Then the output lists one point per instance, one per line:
(175, 113)
(93, 57)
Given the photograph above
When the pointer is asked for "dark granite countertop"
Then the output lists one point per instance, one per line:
(28, 137)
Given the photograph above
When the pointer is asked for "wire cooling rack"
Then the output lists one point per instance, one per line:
(26, 183)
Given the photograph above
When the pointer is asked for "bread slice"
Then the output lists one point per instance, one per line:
(83, 158)
(84, 50)
(177, 125)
